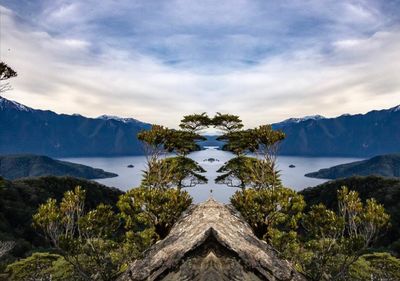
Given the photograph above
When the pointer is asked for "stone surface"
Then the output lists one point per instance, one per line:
(211, 242)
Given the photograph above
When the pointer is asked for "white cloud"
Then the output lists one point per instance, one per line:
(65, 65)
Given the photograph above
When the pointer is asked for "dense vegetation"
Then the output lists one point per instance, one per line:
(20, 199)
(385, 191)
(384, 165)
(323, 243)
(328, 232)
(97, 241)
(22, 166)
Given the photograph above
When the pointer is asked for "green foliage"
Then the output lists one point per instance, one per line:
(236, 172)
(376, 266)
(182, 142)
(334, 241)
(154, 140)
(195, 122)
(272, 213)
(158, 174)
(89, 241)
(227, 123)
(262, 174)
(20, 199)
(180, 171)
(239, 142)
(152, 212)
(41, 266)
(385, 191)
(170, 172)
(256, 172)
(185, 172)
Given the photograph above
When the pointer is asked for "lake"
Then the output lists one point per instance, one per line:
(131, 177)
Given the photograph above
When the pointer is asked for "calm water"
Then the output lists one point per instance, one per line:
(130, 177)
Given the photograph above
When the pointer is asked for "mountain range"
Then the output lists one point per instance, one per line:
(362, 135)
(43, 132)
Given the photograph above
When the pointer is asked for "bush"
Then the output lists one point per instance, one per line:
(152, 209)
(272, 213)
(41, 266)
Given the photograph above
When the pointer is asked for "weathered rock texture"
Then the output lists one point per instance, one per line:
(211, 242)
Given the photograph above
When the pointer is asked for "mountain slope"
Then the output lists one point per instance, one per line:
(23, 166)
(26, 130)
(384, 165)
(361, 135)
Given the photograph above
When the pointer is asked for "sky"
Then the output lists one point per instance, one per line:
(157, 60)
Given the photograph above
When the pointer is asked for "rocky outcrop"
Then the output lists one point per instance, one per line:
(211, 242)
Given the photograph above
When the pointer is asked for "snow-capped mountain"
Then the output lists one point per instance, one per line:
(297, 120)
(395, 109)
(44, 132)
(362, 135)
(121, 119)
(9, 104)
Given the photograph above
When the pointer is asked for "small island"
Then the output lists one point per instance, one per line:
(130, 166)
(211, 160)
(26, 165)
(292, 166)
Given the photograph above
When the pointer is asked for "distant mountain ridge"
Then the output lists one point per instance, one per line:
(362, 135)
(6, 104)
(27, 130)
(383, 165)
(23, 166)
(291, 121)
(43, 132)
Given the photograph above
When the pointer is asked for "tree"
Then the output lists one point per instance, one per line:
(6, 73)
(273, 214)
(154, 142)
(87, 240)
(150, 213)
(182, 142)
(228, 123)
(267, 142)
(236, 172)
(166, 172)
(185, 172)
(195, 122)
(335, 241)
(261, 141)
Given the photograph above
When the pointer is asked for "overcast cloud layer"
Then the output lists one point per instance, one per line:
(158, 60)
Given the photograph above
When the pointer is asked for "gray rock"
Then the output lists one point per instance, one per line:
(211, 241)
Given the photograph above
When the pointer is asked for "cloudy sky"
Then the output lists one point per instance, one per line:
(156, 60)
